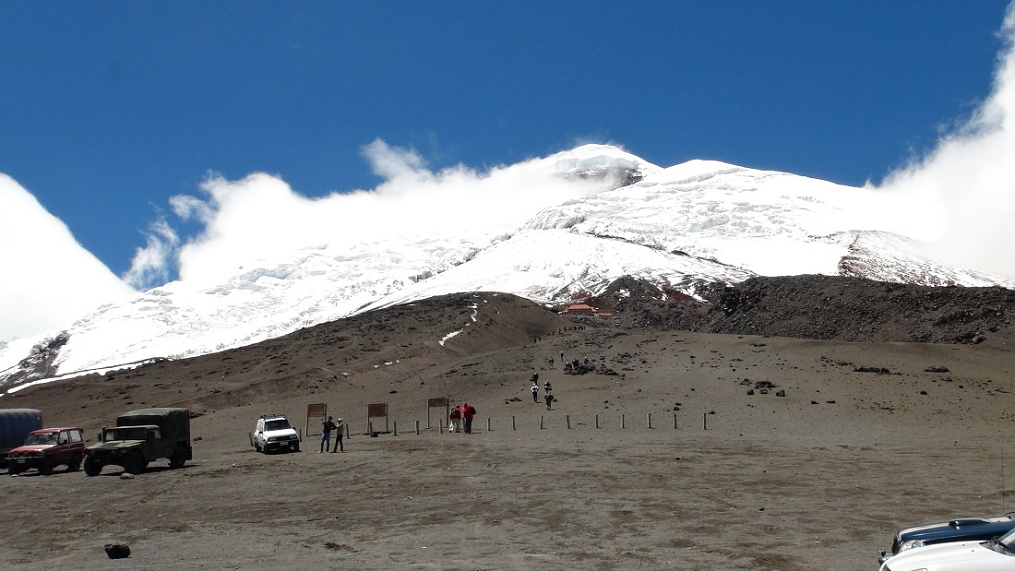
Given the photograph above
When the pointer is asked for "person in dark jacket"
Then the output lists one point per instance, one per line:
(329, 425)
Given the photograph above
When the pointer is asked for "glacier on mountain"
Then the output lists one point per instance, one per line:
(679, 227)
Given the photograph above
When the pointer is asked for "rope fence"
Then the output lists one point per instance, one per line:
(617, 421)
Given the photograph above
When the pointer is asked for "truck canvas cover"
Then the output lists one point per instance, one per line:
(173, 423)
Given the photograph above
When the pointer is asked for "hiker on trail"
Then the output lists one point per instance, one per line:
(454, 418)
(468, 411)
(339, 429)
(549, 400)
(326, 429)
(535, 391)
(547, 388)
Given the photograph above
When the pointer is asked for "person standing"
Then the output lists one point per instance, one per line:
(535, 391)
(339, 429)
(547, 389)
(468, 412)
(454, 419)
(326, 429)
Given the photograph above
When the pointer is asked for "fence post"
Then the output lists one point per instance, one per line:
(597, 421)
(650, 420)
(417, 428)
(623, 421)
(488, 424)
(674, 421)
(568, 417)
(704, 421)
(540, 422)
(513, 423)
(394, 427)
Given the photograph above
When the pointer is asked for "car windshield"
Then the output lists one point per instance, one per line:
(127, 433)
(277, 424)
(39, 439)
(1007, 541)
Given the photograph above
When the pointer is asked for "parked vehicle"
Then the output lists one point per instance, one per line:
(991, 555)
(964, 529)
(273, 432)
(15, 424)
(47, 448)
(141, 436)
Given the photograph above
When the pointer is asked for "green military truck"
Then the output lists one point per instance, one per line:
(139, 437)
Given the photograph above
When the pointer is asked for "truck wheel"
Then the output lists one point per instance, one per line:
(179, 457)
(135, 463)
(296, 448)
(12, 469)
(75, 463)
(46, 468)
(92, 467)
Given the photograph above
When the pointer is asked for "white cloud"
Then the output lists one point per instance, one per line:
(963, 193)
(260, 220)
(49, 280)
(151, 264)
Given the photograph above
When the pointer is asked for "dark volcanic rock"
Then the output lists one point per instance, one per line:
(827, 308)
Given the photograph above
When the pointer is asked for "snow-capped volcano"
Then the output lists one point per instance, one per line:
(615, 215)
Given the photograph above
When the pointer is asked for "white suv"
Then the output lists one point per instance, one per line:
(273, 432)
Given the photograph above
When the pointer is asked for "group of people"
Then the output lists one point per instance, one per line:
(329, 425)
(548, 397)
(460, 418)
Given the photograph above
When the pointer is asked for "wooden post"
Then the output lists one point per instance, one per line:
(394, 424)
(488, 424)
(597, 421)
(513, 423)
(568, 417)
(650, 420)
(440, 426)
(674, 421)
(417, 428)
(540, 422)
(704, 421)
(623, 421)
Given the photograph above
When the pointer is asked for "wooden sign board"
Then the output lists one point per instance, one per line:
(375, 410)
(316, 413)
(436, 402)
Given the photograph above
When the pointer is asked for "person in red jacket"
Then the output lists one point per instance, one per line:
(454, 418)
(468, 411)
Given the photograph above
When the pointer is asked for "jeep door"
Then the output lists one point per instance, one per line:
(62, 451)
(152, 445)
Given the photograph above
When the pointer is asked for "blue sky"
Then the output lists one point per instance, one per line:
(108, 109)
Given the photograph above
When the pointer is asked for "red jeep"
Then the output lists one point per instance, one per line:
(46, 449)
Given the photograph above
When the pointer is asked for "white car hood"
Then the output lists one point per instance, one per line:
(962, 556)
